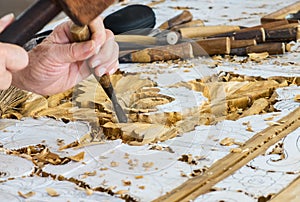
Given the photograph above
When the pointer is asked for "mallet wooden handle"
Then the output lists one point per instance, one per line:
(30, 22)
(82, 34)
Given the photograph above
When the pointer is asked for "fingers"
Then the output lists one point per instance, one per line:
(6, 20)
(61, 34)
(98, 32)
(106, 61)
(13, 57)
(64, 51)
(6, 78)
(72, 52)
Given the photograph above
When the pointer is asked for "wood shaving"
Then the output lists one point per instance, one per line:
(227, 141)
(89, 191)
(249, 129)
(52, 192)
(122, 192)
(142, 187)
(126, 182)
(139, 177)
(258, 56)
(78, 157)
(27, 195)
(236, 150)
(126, 156)
(154, 3)
(199, 171)
(114, 164)
(148, 164)
(60, 142)
(188, 158)
(269, 118)
(94, 173)
(133, 163)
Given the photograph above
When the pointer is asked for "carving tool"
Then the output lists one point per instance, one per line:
(82, 33)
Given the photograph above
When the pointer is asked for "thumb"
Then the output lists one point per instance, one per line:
(69, 53)
(6, 20)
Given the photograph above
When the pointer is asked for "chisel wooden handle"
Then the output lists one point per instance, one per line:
(159, 53)
(183, 17)
(282, 13)
(83, 34)
(206, 31)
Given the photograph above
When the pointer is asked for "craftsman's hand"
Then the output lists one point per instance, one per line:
(57, 64)
(12, 57)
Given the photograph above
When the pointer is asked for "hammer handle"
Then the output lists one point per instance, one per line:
(30, 22)
(83, 34)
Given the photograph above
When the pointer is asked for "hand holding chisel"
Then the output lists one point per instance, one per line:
(82, 33)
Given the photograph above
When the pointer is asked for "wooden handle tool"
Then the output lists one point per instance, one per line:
(159, 53)
(184, 17)
(82, 33)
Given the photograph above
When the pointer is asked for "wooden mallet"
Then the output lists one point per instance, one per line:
(82, 12)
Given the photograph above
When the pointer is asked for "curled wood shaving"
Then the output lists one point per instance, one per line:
(10, 99)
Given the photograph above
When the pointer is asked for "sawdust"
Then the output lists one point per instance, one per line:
(41, 155)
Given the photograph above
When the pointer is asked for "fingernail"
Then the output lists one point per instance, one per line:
(101, 71)
(95, 63)
(7, 17)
